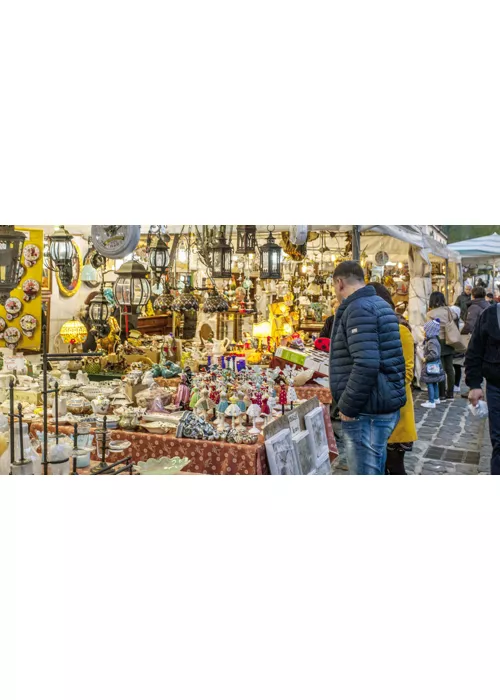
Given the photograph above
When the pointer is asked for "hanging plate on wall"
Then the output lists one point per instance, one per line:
(115, 241)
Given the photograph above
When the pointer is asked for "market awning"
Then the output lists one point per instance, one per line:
(483, 247)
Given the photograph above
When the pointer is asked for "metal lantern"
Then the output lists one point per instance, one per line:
(61, 249)
(270, 259)
(246, 239)
(11, 248)
(159, 257)
(131, 288)
(221, 258)
(99, 309)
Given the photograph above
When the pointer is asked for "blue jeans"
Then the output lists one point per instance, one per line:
(433, 390)
(365, 440)
(493, 401)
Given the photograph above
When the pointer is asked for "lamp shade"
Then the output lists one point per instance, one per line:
(11, 248)
(73, 332)
(131, 288)
(262, 329)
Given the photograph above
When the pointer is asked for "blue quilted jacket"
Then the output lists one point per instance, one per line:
(367, 367)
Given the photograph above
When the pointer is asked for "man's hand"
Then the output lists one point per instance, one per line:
(475, 395)
(346, 418)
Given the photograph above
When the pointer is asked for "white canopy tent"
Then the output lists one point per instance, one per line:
(485, 249)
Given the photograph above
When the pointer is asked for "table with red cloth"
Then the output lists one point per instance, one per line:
(205, 457)
(311, 389)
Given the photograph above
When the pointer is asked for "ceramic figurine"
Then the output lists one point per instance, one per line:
(292, 394)
(195, 396)
(204, 405)
(183, 393)
(283, 399)
(265, 405)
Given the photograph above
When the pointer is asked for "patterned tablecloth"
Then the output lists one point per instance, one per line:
(308, 391)
(206, 457)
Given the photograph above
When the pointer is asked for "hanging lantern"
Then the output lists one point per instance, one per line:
(11, 248)
(165, 300)
(159, 257)
(246, 239)
(99, 309)
(73, 332)
(131, 288)
(270, 258)
(61, 249)
(215, 303)
(221, 257)
(186, 301)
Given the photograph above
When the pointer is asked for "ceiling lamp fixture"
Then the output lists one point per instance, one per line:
(131, 288)
(159, 255)
(270, 258)
(186, 301)
(220, 255)
(165, 300)
(246, 239)
(11, 249)
(215, 303)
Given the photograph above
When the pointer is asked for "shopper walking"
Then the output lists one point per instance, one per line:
(478, 304)
(482, 363)
(439, 310)
(432, 370)
(405, 433)
(463, 300)
(367, 370)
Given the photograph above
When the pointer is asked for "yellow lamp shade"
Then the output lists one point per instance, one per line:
(262, 329)
(73, 332)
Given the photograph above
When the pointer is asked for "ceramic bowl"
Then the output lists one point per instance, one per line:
(119, 445)
(158, 428)
(92, 391)
(162, 466)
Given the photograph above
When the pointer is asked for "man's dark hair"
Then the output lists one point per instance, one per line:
(489, 295)
(436, 300)
(350, 271)
(479, 292)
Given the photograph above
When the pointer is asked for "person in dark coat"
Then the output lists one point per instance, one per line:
(478, 304)
(367, 369)
(326, 331)
(463, 300)
(482, 363)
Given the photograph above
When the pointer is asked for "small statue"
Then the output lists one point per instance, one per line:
(204, 405)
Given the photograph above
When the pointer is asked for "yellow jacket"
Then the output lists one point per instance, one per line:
(405, 430)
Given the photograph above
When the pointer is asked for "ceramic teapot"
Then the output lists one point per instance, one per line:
(100, 405)
(220, 346)
(129, 419)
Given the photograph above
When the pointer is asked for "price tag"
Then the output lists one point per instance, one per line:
(294, 422)
(17, 363)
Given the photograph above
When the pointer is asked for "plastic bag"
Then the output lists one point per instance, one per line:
(480, 410)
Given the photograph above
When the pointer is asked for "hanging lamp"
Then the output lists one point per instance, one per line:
(220, 256)
(270, 258)
(11, 249)
(246, 239)
(131, 288)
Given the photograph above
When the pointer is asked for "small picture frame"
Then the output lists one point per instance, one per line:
(294, 421)
(323, 466)
(303, 452)
(281, 454)
(315, 424)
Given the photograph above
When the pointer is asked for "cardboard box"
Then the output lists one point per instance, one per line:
(132, 390)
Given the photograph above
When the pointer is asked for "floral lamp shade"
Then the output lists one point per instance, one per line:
(73, 332)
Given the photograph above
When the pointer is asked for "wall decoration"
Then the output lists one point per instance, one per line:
(303, 452)
(13, 307)
(68, 289)
(30, 288)
(115, 241)
(31, 269)
(28, 324)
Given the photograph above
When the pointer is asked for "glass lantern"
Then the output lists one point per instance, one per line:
(246, 239)
(221, 258)
(159, 257)
(61, 249)
(99, 309)
(270, 259)
(131, 288)
(11, 248)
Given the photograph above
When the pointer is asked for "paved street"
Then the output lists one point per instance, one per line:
(449, 441)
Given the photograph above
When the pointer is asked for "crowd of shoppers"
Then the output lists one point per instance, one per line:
(372, 361)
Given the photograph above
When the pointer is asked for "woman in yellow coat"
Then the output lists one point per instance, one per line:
(405, 432)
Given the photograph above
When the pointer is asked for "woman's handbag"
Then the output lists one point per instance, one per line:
(452, 334)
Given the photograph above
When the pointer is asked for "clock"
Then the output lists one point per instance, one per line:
(381, 258)
(114, 241)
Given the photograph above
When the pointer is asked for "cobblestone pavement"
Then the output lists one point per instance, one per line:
(449, 441)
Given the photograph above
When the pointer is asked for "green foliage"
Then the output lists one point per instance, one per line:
(464, 233)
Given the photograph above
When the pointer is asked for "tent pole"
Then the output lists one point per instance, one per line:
(356, 243)
(446, 280)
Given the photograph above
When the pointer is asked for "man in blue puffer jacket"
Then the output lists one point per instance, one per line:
(367, 369)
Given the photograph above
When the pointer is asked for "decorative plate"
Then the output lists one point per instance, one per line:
(381, 258)
(13, 307)
(31, 254)
(28, 324)
(30, 288)
(115, 241)
(3, 326)
(12, 336)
